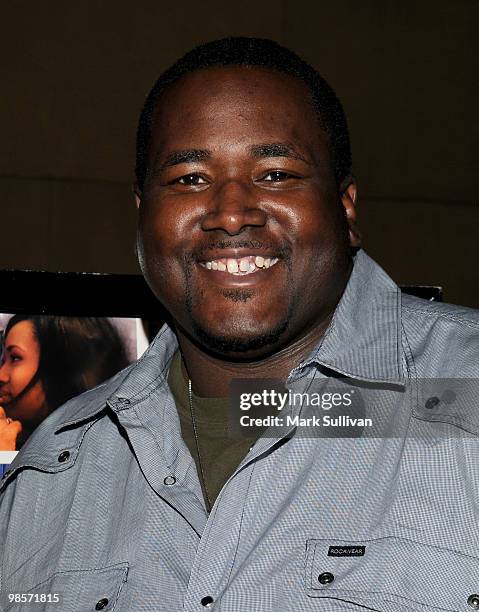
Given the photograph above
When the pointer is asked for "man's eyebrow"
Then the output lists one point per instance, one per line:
(184, 156)
(277, 149)
(270, 149)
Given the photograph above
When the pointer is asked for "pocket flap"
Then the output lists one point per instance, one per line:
(392, 574)
(74, 591)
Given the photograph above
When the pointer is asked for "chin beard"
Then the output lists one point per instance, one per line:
(227, 344)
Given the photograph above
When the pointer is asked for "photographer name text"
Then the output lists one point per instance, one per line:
(298, 421)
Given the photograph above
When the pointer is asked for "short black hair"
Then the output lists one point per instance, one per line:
(242, 51)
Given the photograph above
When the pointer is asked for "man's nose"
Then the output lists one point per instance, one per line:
(233, 208)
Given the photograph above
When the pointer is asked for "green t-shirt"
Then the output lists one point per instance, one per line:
(220, 453)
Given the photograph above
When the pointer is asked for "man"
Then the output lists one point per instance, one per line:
(134, 496)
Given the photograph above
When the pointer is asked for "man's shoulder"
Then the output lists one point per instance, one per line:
(419, 309)
(442, 338)
(80, 407)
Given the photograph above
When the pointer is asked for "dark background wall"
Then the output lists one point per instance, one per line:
(75, 76)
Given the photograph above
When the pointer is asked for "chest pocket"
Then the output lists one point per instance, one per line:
(73, 591)
(392, 575)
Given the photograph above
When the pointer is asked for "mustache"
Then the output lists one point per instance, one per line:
(283, 251)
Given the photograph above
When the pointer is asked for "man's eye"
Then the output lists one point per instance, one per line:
(190, 179)
(277, 176)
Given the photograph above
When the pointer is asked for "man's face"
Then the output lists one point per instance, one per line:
(242, 234)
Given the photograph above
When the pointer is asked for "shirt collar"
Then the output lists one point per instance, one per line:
(363, 339)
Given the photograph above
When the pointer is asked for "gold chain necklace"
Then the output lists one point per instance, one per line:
(195, 432)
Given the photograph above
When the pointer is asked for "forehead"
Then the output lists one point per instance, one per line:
(236, 104)
(22, 334)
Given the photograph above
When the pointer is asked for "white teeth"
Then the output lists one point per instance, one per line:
(232, 265)
(242, 266)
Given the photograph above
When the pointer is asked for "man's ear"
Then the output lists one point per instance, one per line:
(349, 198)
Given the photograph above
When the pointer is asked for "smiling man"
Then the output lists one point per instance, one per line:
(136, 494)
(243, 206)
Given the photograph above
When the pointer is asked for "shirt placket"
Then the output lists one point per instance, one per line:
(153, 430)
(214, 560)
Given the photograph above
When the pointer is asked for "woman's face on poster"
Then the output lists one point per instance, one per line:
(21, 357)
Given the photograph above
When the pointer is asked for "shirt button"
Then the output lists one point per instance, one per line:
(432, 402)
(169, 480)
(64, 456)
(207, 601)
(473, 601)
(325, 578)
(101, 604)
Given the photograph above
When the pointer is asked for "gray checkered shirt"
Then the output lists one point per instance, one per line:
(103, 505)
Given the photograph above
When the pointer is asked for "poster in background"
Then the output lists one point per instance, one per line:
(100, 346)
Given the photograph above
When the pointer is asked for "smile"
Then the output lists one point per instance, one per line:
(242, 266)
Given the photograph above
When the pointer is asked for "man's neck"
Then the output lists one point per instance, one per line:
(211, 376)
